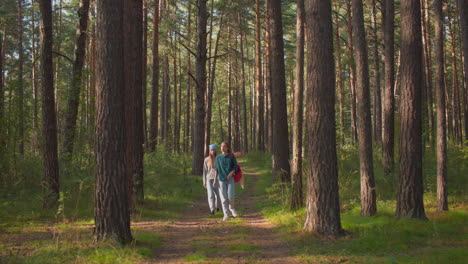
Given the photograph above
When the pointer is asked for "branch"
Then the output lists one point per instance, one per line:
(60, 54)
(217, 56)
(187, 48)
(194, 79)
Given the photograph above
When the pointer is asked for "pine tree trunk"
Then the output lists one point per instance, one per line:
(377, 90)
(339, 82)
(77, 79)
(463, 9)
(20, 79)
(268, 82)
(211, 84)
(165, 104)
(388, 104)
(153, 129)
(51, 166)
(368, 203)
(323, 207)
(456, 120)
(199, 133)
(352, 75)
(442, 204)
(428, 68)
(278, 79)
(144, 73)
(188, 119)
(35, 90)
(297, 200)
(259, 125)
(245, 142)
(112, 212)
(410, 193)
(133, 56)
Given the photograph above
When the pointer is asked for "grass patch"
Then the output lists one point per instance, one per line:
(244, 247)
(198, 257)
(381, 238)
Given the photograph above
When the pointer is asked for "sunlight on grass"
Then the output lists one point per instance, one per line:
(196, 257)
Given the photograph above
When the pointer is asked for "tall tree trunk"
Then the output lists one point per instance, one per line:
(410, 193)
(153, 129)
(278, 79)
(377, 91)
(297, 200)
(111, 211)
(426, 32)
(51, 166)
(463, 9)
(268, 82)
(323, 206)
(133, 56)
(35, 89)
(188, 119)
(260, 109)
(199, 133)
(442, 204)
(245, 142)
(352, 75)
(20, 79)
(165, 103)
(144, 72)
(211, 84)
(176, 102)
(229, 73)
(368, 203)
(388, 104)
(2, 91)
(77, 78)
(339, 82)
(456, 113)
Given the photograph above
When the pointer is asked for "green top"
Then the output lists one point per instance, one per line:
(225, 164)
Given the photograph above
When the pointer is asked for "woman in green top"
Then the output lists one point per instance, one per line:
(226, 165)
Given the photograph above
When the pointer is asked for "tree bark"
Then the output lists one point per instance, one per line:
(77, 78)
(144, 74)
(199, 133)
(339, 82)
(210, 90)
(133, 61)
(245, 142)
(377, 91)
(278, 79)
(410, 193)
(51, 166)
(259, 125)
(442, 204)
(165, 104)
(388, 105)
(456, 113)
(368, 203)
(323, 207)
(297, 200)
(188, 119)
(2, 91)
(20, 79)
(35, 90)
(153, 129)
(463, 9)
(268, 82)
(112, 212)
(428, 69)
(352, 75)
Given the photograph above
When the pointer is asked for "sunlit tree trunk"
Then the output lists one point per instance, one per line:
(388, 115)
(442, 204)
(298, 114)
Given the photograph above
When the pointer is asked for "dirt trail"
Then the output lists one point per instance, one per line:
(197, 237)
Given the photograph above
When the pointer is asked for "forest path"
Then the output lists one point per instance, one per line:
(198, 237)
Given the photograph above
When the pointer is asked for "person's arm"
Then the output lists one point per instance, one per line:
(234, 166)
(205, 172)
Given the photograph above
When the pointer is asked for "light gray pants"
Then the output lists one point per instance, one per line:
(213, 195)
(227, 192)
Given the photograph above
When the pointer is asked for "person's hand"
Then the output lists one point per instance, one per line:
(204, 185)
(214, 184)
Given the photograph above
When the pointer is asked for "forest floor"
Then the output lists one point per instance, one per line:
(198, 236)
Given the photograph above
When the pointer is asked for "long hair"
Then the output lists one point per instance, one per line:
(211, 161)
(228, 146)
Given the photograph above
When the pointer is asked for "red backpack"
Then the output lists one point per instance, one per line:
(238, 174)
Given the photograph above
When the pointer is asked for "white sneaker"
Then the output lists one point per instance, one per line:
(225, 218)
(234, 213)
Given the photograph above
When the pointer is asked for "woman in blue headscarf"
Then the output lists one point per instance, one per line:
(210, 181)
